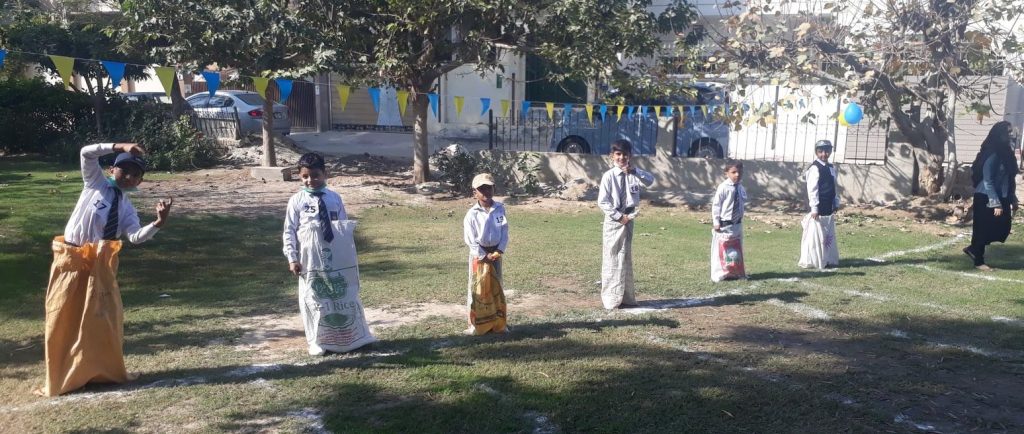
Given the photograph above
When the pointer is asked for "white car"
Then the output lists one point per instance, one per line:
(249, 106)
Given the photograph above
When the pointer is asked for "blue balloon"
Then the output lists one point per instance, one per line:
(853, 113)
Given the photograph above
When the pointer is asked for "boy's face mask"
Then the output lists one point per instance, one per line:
(111, 182)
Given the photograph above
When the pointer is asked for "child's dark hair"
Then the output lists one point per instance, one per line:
(312, 160)
(730, 163)
(623, 146)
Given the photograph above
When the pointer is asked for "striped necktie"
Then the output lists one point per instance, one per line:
(324, 216)
(110, 229)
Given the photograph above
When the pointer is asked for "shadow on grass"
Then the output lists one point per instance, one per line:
(645, 306)
(808, 274)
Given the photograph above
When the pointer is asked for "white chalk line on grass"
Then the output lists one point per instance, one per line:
(895, 254)
(903, 419)
(241, 372)
(1011, 321)
(660, 305)
(967, 274)
(802, 309)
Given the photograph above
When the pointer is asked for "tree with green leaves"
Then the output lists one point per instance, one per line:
(913, 62)
(412, 43)
(261, 38)
(34, 30)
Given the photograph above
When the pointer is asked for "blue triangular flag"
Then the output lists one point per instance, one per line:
(212, 81)
(629, 112)
(433, 103)
(115, 70)
(566, 110)
(603, 110)
(375, 97)
(526, 108)
(284, 87)
(693, 110)
(485, 104)
(802, 105)
(643, 110)
(746, 107)
(3, 53)
(670, 111)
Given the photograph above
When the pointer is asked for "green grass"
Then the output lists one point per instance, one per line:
(898, 338)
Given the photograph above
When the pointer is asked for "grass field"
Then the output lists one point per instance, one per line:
(918, 341)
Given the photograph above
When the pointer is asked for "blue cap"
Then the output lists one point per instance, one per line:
(823, 144)
(127, 158)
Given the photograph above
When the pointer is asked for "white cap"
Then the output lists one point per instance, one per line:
(483, 179)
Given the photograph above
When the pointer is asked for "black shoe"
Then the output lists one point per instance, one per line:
(969, 253)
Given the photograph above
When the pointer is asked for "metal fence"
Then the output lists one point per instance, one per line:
(570, 131)
(220, 125)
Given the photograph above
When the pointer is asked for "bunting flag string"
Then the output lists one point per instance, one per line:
(166, 76)
(65, 66)
(260, 83)
(343, 93)
(403, 101)
(284, 87)
(116, 72)
(459, 101)
(485, 104)
(433, 104)
(375, 97)
(212, 81)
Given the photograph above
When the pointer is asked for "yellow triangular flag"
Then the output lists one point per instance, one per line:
(590, 113)
(166, 76)
(459, 101)
(657, 111)
(618, 111)
(344, 91)
(403, 101)
(682, 114)
(260, 83)
(65, 67)
(704, 109)
(504, 107)
(550, 106)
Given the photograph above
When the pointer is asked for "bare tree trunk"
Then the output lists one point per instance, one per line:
(178, 104)
(421, 155)
(269, 157)
(98, 104)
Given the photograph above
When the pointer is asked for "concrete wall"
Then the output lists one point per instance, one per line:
(694, 180)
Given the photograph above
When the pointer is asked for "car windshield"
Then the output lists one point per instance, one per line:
(250, 98)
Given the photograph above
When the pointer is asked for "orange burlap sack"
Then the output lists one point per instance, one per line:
(84, 318)
(487, 309)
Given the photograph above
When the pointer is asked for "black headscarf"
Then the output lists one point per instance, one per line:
(997, 142)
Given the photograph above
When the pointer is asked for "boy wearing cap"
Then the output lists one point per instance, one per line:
(619, 198)
(485, 231)
(84, 316)
(818, 247)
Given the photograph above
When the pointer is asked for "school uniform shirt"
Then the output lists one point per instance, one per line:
(728, 203)
(620, 190)
(93, 208)
(484, 227)
(303, 210)
(818, 186)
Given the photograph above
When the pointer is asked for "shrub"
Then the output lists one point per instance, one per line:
(171, 144)
(514, 172)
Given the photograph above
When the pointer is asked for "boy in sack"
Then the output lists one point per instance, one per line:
(320, 247)
(727, 219)
(485, 232)
(84, 316)
(619, 199)
(818, 247)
